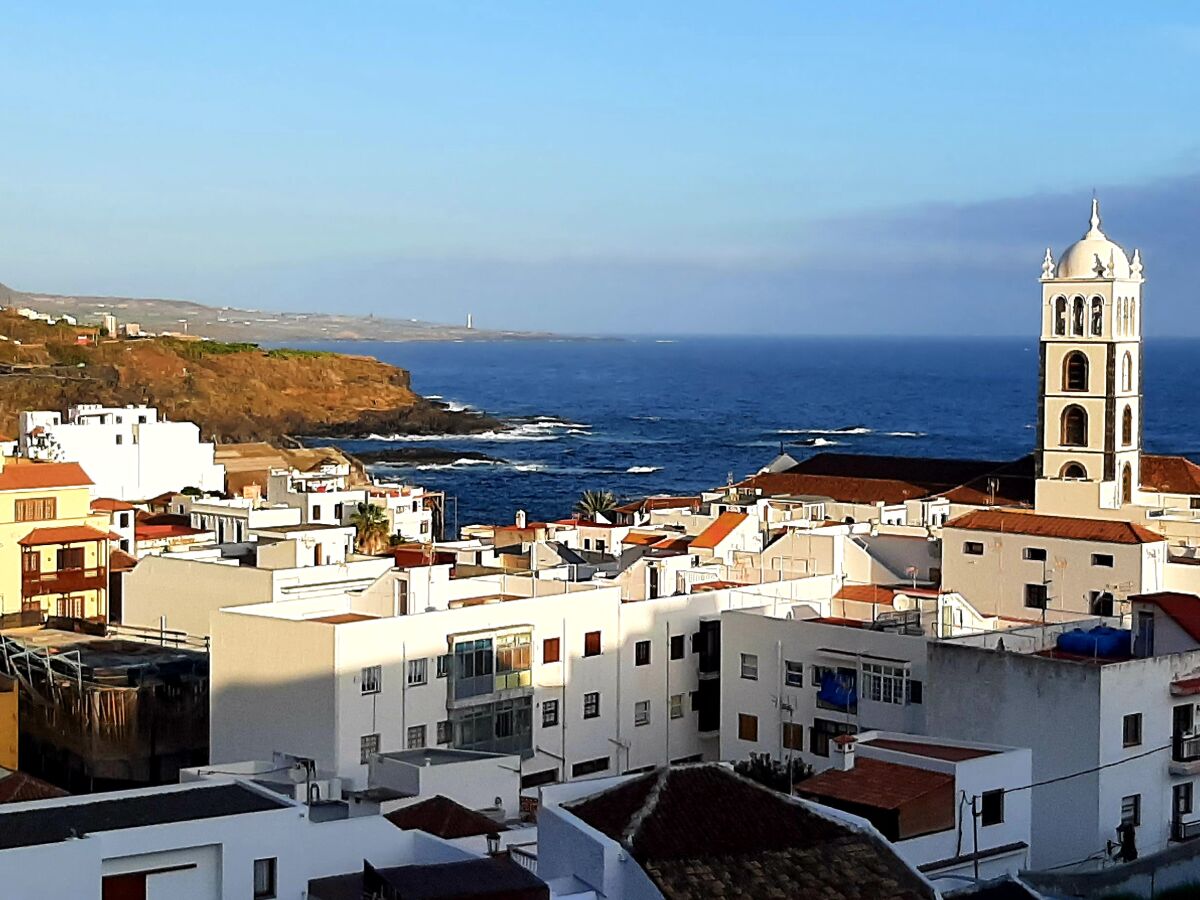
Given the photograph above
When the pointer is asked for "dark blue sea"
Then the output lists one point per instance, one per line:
(642, 416)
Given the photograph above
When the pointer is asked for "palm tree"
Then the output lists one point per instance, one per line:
(596, 503)
(371, 528)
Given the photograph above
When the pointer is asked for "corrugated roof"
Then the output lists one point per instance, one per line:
(1106, 531)
(711, 536)
(63, 534)
(37, 475)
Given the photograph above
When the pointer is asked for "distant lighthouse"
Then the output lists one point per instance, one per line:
(470, 322)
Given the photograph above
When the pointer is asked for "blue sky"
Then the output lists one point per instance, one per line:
(681, 167)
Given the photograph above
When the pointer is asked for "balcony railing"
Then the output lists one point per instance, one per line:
(63, 581)
(1185, 746)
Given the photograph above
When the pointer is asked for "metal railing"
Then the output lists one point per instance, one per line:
(526, 859)
(1185, 746)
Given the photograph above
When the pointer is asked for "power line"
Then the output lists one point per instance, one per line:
(1090, 771)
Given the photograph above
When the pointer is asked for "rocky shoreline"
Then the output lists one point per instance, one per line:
(423, 416)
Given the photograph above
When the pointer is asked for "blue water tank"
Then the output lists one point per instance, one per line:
(1102, 642)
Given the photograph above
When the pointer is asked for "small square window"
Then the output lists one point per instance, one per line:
(1131, 730)
(991, 808)
(1194, 502)
(372, 679)
(678, 646)
(1035, 596)
(591, 643)
(444, 731)
(793, 673)
(591, 705)
(916, 690)
(120, 438)
(973, 548)
(416, 737)
(747, 727)
(1034, 554)
(677, 706)
(750, 666)
(265, 877)
(1104, 560)
(1131, 810)
(551, 650)
(549, 713)
(641, 653)
(418, 671)
(367, 744)
(641, 712)
(443, 665)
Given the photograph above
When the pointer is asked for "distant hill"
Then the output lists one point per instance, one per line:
(233, 391)
(231, 324)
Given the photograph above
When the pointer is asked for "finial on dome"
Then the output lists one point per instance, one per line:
(1095, 231)
(1112, 264)
(1048, 266)
(1135, 265)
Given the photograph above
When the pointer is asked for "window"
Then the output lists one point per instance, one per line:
(551, 650)
(676, 704)
(641, 712)
(1097, 316)
(367, 744)
(750, 666)
(1127, 427)
(371, 680)
(514, 661)
(549, 713)
(589, 767)
(973, 548)
(120, 439)
(1074, 427)
(747, 727)
(793, 673)
(1060, 315)
(591, 643)
(793, 736)
(883, 684)
(1075, 372)
(416, 737)
(591, 705)
(641, 653)
(679, 646)
(822, 732)
(1131, 810)
(1102, 559)
(1077, 316)
(1100, 603)
(1131, 730)
(418, 671)
(37, 510)
(537, 779)
(443, 731)
(1127, 372)
(1073, 470)
(443, 665)
(916, 691)
(1194, 502)
(316, 512)
(473, 662)
(264, 878)
(1034, 554)
(991, 808)
(70, 558)
(1126, 484)
(1035, 596)
(1181, 799)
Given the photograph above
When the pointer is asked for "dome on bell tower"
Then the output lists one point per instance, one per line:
(1093, 255)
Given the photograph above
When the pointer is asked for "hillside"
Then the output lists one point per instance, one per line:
(233, 324)
(234, 392)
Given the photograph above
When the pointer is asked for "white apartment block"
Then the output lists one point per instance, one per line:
(233, 520)
(129, 452)
(322, 493)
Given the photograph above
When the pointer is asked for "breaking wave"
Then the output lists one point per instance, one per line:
(853, 429)
(642, 470)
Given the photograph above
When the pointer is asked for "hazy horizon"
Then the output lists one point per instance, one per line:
(685, 170)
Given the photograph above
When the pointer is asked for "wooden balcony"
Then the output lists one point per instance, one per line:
(63, 581)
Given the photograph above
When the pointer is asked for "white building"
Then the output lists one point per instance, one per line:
(234, 519)
(129, 452)
(322, 493)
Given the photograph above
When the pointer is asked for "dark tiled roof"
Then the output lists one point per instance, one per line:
(498, 877)
(19, 787)
(702, 831)
(444, 818)
(1170, 474)
(1006, 888)
(1106, 531)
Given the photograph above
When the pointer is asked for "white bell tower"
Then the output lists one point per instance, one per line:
(1090, 417)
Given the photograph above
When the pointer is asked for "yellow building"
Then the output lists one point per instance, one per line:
(8, 722)
(53, 549)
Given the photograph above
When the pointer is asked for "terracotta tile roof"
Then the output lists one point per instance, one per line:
(835, 487)
(154, 531)
(875, 783)
(1185, 687)
(109, 504)
(712, 536)
(1183, 608)
(38, 475)
(342, 618)
(120, 561)
(648, 504)
(1170, 474)
(703, 831)
(1106, 531)
(933, 751)
(716, 586)
(17, 787)
(63, 534)
(866, 593)
(674, 544)
(442, 817)
(642, 538)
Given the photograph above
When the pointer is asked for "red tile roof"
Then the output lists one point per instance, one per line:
(64, 534)
(120, 561)
(37, 475)
(676, 544)
(1185, 687)
(1106, 531)
(1183, 608)
(151, 532)
(875, 783)
(651, 503)
(835, 487)
(442, 817)
(712, 536)
(866, 593)
(641, 538)
(716, 586)
(1170, 474)
(108, 504)
(933, 751)
(342, 618)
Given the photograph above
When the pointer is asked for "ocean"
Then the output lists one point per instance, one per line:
(644, 416)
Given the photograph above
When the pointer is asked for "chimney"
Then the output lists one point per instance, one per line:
(520, 519)
(843, 746)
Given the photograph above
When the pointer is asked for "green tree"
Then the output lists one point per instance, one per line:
(595, 503)
(370, 527)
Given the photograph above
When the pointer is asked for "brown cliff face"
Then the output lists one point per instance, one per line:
(234, 392)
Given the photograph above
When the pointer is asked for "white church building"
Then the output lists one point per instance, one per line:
(130, 452)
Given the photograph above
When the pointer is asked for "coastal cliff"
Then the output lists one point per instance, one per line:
(233, 391)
